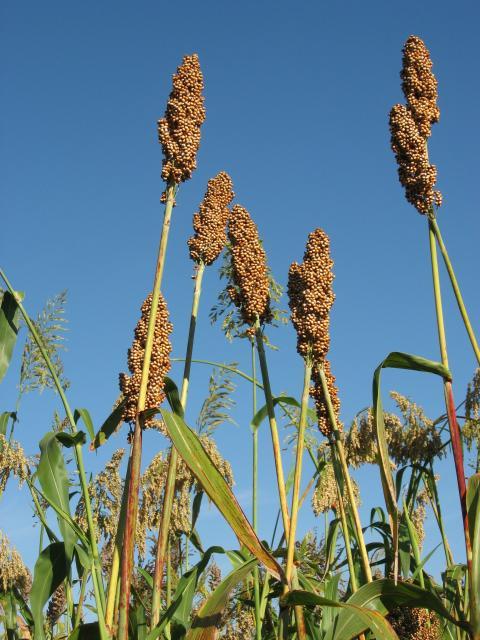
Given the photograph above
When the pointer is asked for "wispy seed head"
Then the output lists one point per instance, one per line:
(210, 222)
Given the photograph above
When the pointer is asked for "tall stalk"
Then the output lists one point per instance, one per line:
(340, 450)
(97, 570)
(456, 289)
(273, 430)
(455, 434)
(163, 533)
(136, 449)
(256, 582)
(298, 467)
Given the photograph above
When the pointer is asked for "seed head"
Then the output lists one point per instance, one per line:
(159, 363)
(311, 296)
(250, 290)
(316, 393)
(415, 624)
(325, 495)
(415, 172)
(12, 462)
(57, 604)
(211, 220)
(179, 129)
(13, 573)
(420, 85)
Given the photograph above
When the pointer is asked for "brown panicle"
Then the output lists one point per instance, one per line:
(311, 296)
(179, 129)
(316, 393)
(420, 85)
(250, 291)
(210, 222)
(159, 363)
(415, 172)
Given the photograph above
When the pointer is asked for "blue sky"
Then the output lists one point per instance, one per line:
(297, 99)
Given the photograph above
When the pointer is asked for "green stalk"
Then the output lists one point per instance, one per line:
(97, 571)
(256, 581)
(81, 597)
(163, 532)
(455, 434)
(456, 289)
(301, 631)
(117, 552)
(338, 443)
(343, 520)
(298, 468)
(273, 430)
(136, 450)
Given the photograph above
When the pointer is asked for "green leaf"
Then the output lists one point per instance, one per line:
(384, 595)
(262, 413)
(356, 620)
(87, 631)
(9, 326)
(173, 397)
(50, 571)
(205, 624)
(4, 418)
(71, 439)
(84, 414)
(396, 360)
(53, 478)
(110, 425)
(200, 464)
(473, 511)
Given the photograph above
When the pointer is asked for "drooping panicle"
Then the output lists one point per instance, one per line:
(250, 290)
(210, 222)
(311, 296)
(179, 129)
(316, 392)
(415, 172)
(159, 363)
(419, 84)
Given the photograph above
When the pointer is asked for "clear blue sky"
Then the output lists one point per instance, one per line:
(297, 98)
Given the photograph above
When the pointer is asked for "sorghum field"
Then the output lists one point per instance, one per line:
(120, 554)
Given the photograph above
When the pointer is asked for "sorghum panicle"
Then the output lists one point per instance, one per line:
(415, 172)
(179, 129)
(210, 222)
(316, 392)
(57, 604)
(13, 572)
(419, 84)
(159, 363)
(311, 296)
(250, 291)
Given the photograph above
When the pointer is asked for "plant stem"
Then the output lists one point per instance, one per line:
(169, 492)
(97, 571)
(256, 581)
(455, 435)
(298, 467)
(273, 430)
(136, 449)
(117, 552)
(343, 519)
(456, 289)
(338, 443)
